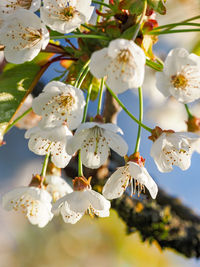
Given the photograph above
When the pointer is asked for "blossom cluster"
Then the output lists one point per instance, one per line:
(62, 131)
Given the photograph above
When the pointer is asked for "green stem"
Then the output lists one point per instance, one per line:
(100, 96)
(80, 166)
(83, 77)
(87, 103)
(190, 116)
(100, 10)
(45, 164)
(101, 3)
(81, 73)
(173, 25)
(141, 20)
(173, 31)
(185, 21)
(128, 112)
(137, 145)
(91, 36)
(154, 65)
(18, 119)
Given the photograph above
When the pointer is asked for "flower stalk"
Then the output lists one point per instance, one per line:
(137, 145)
(128, 112)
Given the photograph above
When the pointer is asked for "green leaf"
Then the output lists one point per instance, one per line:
(129, 33)
(14, 83)
(158, 6)
(134, 6)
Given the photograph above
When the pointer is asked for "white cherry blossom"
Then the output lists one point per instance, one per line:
(34, 202)
(173, 148)
(95, 140)
(181, 76)
(123, 176)
(57, 186)
(60, 102)
(74, 205)
(123, 62)
(23, 35)
(66, 15)
(50, 140)
(8, 7)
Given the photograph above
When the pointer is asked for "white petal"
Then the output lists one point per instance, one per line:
(143, 177)
(117, 183)
(94, 151)
(99, 63)
(99, 204)
(116, 143)
(75, 143)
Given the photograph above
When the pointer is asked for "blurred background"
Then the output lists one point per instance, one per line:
(103, 242)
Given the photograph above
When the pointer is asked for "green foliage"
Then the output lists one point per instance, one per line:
(14, 83)
(134, 6)
(158, 6)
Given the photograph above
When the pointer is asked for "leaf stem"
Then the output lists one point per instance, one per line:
(140, 20)
(100, 10)
(18, 119)
(100, 96)
(173, 25)
(188, 111)
(137, 145)
(127, 111)
(101, 3)
(81, 73)
(90, 36)
(45, 164)
(172, 31)
(80, 165)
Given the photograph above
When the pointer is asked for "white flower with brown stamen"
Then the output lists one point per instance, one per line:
(123, 62)
(173, 149)
(34, 202)
(50, 140)
(95, 140)
(123, 176)
(57, 187)
(60, 102)
(83, 199)
(8, 7)
(23, 35)
(66, 15)
(181, 76)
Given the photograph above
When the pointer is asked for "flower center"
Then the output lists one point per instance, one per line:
(26, 4)
(124, 56)
(68, 13)
(179, 81)
(65, 101)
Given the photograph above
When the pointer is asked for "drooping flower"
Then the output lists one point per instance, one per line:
(23, 35)
(8, 7)
(57, 186)
(50, 140)
(181, 76)
(60, 102)
(172, 148)
(66, 15)
(123, 62)
(74, 205)
(123, 176)
(95, 140)
(34, 202)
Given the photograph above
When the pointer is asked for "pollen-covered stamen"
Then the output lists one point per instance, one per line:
(125, 58)
(23, 203)
(81, 183)
(68, 13)
(179, 81)
(173, 155)
(25, 37)
(60, 104)
(26, 4)
(138, 188)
